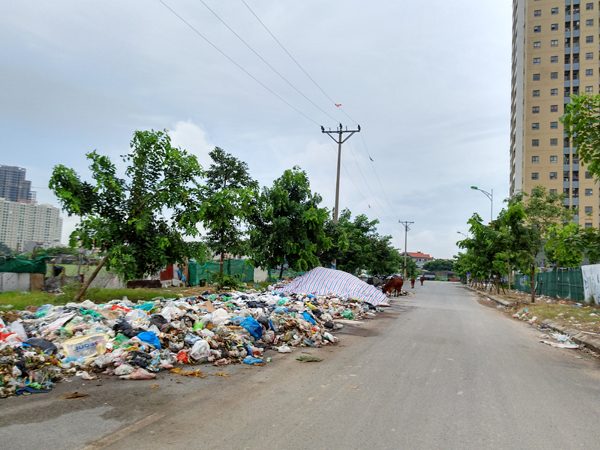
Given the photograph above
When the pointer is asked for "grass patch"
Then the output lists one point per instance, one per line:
(20, 300)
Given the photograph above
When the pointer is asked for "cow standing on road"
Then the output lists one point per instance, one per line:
(412, 283)
(421, 280)
(395, 284)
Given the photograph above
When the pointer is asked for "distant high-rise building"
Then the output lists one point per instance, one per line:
(21, 222)
(13, 185)
(554, 54)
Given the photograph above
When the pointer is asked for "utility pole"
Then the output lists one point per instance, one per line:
(406, 230)
(340, 140)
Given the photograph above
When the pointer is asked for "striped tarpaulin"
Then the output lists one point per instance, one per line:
(321, 281)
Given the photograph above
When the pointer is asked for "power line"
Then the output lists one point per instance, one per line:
(367, 183)
(239, 66)
(267, 63)
(298, 64)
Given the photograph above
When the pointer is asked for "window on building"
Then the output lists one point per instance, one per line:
(554, 75)
(536, 60)
(589, 6)
(536, 77)
(588, 175)
(566, 192)
(553, 142)
(589, 23)
(554, 125)
(566, 175)
(537, 29)
(554, 159)
(553, 192)
(553, 108)
(553, 91)
(535, 143)
(576, 90)
(553, 175)
(535, 126)
(589, 89)
(535, 159)
(554, 59)
(589, 72)
(537, 13)
(589, 209)
(536, 93)
(589, 192)
(575, 193)
(575, 25)
(588, 225)
(535, 176)
(575, 174)
(554, 11)
(537, 44)
(535, 110)
(553, 43)
(576, 160)
(553, 27)
(589, 39)
(589, 55)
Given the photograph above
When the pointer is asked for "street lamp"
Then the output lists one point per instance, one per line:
(488, 195)
(463, 234)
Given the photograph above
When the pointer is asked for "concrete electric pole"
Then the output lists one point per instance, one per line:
(340, 140)
(406, 230)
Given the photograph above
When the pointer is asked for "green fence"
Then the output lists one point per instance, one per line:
(274, 274)
(230, 267)
(561, 283)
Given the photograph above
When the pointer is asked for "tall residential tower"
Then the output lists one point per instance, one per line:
(555, 53)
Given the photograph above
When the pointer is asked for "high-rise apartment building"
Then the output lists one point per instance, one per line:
(555, 54)
(21, 222)
(13, 185)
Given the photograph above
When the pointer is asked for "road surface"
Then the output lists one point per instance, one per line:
(438, 370)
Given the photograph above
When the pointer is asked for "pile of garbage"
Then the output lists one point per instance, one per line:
(40, 346)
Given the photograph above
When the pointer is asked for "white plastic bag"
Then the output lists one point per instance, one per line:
(219, 316)
(124, 369)
(200, 349)
(284, 349)
(17, 328)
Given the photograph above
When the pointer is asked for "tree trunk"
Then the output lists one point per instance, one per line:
(90, 279)
(281, 272)
(79, 264)
(532, 284)
(221, 264)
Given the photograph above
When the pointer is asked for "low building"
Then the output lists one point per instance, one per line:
(419, 258)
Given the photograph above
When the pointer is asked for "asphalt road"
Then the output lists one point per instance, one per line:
(438, 370)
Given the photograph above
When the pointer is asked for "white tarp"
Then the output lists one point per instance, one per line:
(591, 282)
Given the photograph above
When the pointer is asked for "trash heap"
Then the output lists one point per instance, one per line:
(39, 347)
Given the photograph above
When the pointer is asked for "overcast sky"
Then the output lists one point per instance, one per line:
(428, 84)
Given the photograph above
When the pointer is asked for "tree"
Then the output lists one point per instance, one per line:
(56, 251)
(412, 270)
(582, 123)
(228, 200)
(438, 265)
(125, 217)
(534, 216)
(287, 224)
(5, 249)
(385, 259)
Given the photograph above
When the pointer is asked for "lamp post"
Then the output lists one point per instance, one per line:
(463, 234)
(488, 195)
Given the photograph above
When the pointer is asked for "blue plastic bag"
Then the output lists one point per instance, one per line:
(150, 338)
(252, 360)
(308, 318)
(253, 327)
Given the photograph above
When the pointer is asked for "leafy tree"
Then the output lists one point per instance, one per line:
(287, 225)
(5, 249)
(438, 265)
(567, 245)
(582, 123)
(385, 259)
(412, 270)
(125, 217)
(56, 251)
(228, 200)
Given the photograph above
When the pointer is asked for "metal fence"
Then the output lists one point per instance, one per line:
(561, 283)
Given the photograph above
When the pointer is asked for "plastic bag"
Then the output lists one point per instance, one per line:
(124, 369)
(17, 328)
(284, 349)
(86, 346)
(137, 315)
(219, 316)
(150, 338)
(140, 374)
(308, 317)
(252, 360)
(253, 327)
(201, 349)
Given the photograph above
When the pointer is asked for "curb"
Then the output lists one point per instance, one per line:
(577, 336)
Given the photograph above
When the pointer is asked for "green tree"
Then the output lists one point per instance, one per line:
(582, 123)
(56, 251)
(412, 270)
(228, 200)
(385, 259)
(438, 265)
(288, 225)
(125, 218)
(5, 249)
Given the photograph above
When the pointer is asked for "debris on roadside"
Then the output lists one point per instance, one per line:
(42, 346)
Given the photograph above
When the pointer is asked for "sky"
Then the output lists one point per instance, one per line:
(429, 87)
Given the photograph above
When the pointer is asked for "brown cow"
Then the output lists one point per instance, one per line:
(412, 283)
(395, 284)
(421, 280)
